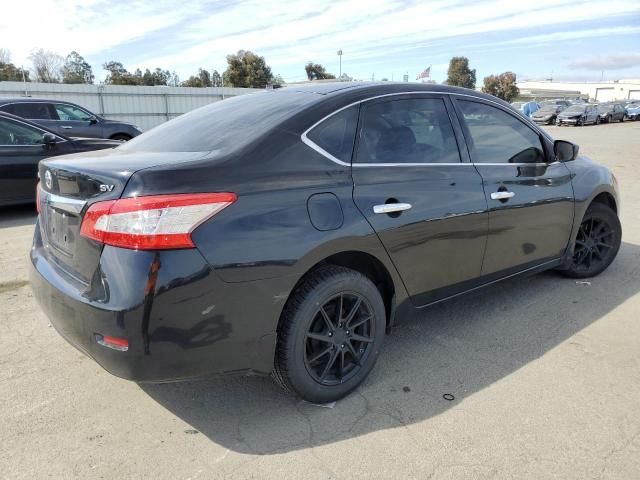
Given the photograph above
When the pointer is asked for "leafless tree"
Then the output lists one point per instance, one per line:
(5, 56)
(47, 66)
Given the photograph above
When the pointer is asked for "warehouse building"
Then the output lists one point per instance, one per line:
(596, 91)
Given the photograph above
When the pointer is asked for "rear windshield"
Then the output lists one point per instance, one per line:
(221, 126)
(575, 108)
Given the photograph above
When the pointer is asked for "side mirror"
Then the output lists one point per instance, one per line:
(93, 120)
(48, 139)
(565, 151)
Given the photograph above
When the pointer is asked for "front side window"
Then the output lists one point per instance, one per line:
(499, 137)
(336, 135)
(31, 111)
(14, 133)
(407, 131)
(70, 113)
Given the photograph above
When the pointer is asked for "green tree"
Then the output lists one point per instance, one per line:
(459, 73)
(76, 69)
(203, 79)
(247, 69)
(315, 71)
(118, 75)
(502, 86)
(216, 79)
(8, 71)
(157, 77)
(47, 66)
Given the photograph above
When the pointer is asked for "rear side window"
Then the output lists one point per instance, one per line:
(71, 113)
(31, 111)
(499, 137)
(336, 135)
(407, 131)
(14, 133)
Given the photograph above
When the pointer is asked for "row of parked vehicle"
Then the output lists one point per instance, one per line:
(33, 129)
(579, 113)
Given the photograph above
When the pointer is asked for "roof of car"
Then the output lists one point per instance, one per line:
(4, 100)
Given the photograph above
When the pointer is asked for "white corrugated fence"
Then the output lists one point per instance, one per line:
(143, 106)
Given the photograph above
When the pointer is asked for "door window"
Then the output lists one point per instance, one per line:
(336, 135)
(14, 133)
(499, 137)
(31, 111)
(70, 113)
(407, 131)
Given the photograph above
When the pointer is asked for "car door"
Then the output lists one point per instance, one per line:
(530, 195)
(423, 199)
(21, 149)
(76, 122)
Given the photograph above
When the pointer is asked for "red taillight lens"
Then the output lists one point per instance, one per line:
(115, 343)
(38, 198)
(155, 222)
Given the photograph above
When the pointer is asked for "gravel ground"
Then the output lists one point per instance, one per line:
(545, 373)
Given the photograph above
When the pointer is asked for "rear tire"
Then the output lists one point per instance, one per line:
(121, 136)
(597, 242)
(330, 335)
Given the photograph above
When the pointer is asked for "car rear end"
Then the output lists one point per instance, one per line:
(117, 270)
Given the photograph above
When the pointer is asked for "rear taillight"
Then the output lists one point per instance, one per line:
(155, 222)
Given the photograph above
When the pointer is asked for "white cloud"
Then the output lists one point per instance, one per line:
(613, 61)
(288, 33)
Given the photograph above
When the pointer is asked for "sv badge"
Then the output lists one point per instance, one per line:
(106, 188)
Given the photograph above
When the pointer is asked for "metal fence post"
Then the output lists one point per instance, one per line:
(166, 105)
(101, 99)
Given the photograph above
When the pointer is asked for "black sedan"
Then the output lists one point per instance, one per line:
(547, 114)
(611, 112)
(286, 232)
(22, 145)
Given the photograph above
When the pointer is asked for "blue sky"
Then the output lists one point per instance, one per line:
(566, 39)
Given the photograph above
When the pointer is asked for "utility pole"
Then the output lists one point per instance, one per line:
(24, 81)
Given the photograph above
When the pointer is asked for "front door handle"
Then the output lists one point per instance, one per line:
(391, 207)
(66, 127)
(502, 195)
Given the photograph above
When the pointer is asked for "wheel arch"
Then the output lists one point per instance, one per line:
(382, 276)
(606, 198)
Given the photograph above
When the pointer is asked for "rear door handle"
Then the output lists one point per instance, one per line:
(391, 207)
(66, 127)
(502, 195)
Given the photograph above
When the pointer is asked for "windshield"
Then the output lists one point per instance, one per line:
(548, 108)
(575, 109)
(605, 106)
(223, 125)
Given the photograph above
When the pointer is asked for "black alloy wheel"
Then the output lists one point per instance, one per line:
(330, 334)
(339, 339)
(597, 242)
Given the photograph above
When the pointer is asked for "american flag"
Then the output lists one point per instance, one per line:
(425, 73)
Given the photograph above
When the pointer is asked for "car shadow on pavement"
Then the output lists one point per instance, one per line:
(18, 216)
(456, 348)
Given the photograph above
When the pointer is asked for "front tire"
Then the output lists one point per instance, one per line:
(597, 242)
(330, 334)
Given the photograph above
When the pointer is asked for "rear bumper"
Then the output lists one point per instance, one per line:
(180, 319)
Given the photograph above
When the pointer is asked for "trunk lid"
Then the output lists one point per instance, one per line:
(69, 185)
